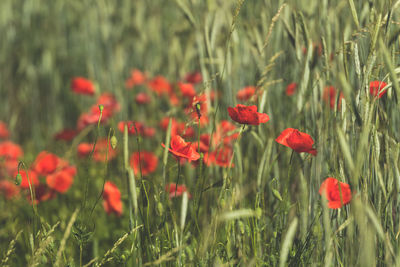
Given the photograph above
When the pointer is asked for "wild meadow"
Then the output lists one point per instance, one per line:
(199, 133)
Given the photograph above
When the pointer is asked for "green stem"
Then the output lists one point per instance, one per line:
(179, 174)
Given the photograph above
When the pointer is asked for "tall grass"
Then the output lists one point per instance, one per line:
(266, 209)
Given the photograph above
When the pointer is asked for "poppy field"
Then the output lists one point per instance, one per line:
(199, 133)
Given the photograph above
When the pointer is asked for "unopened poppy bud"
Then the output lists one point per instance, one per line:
(18, 179)
(101, 107)
(113, 142)
(198, 110)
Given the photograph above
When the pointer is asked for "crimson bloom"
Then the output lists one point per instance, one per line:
(3, 130)
(142, 98)
(291, 89)
(375, 88)
(296, 140)
(82, 86)
(57, 171)
(177, 128)
(84, 149)
(329, 96)
(112, 199)
(9, 150)
(103, 151)
(8, 167)
(175, 191)
(42, 193)
(221, 157)
(46, 163)
(193, 111)
(61, 180)
(66, 134)
(247, 115)
(33, 178)
(193, 77)
(181, 149)
(110, 107)
(246, 93)
(204, 144)
(336, 197)
(160, 85)
(132, 127)
(187, 89)
(8, 189)
(225, 133)
(137, 78)
(145, 161)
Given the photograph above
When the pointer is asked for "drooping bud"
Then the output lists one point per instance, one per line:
(113, 142)
(198, 110)
(18, 179)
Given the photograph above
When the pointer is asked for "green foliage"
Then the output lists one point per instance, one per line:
(263, 211)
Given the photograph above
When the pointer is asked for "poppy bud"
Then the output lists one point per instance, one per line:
(101, 107)
(113, 142)
(198, 110)
(18, 179)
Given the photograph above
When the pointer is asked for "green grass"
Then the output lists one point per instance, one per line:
(264, 211)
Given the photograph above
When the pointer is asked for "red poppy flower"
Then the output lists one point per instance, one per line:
(194, 112)
(109, 101)
(225, 133)
(185, 132)
(246, 93)
(60, 181)
(296, 140)
(160, 85)
(173, 99)
(110, 107)
(33, 178)
(142, 98)
(8, 167)
(221, 157)
(336, 197)
(174, 125)
(112, 199)
(42, 193)
(177, 128)
(204, 143)
(375, 88)
(176, 191)
(131, 127)
(247, 115)
(66, 135)
(181, 149)
(149, 131)
(148, 162)
(137, 78)
(187, 89)
(82, 86)
(193, 77)
(84, 149)
(8, 189)
(100, 151)
(329, 97)
(3, 130)
(291, 89)
(46, 163)
(9, 150)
